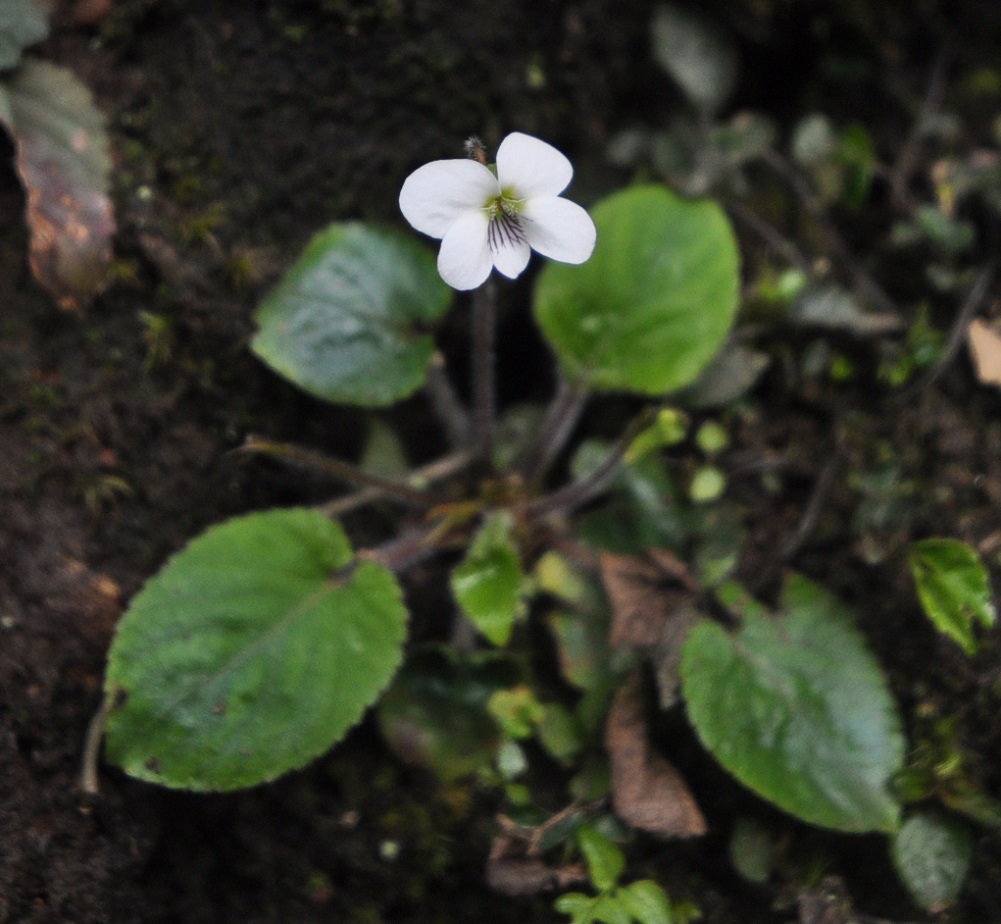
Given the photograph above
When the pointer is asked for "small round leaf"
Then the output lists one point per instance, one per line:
(347, 322)
(932, 855)
(653, 305)
(252, 652)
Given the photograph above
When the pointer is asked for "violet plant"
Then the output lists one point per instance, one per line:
(260, 644)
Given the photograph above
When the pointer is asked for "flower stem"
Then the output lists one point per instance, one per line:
(446, 404)
(344, 471)
(484, 369)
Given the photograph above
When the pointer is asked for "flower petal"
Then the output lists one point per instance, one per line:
(465, 261)
(558, 229)
(510, 251)
(529, 167)
(437, 194)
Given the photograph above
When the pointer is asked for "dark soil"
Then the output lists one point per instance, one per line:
(239, 129)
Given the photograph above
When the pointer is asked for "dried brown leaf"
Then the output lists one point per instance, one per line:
(652, 610)
(985, 349)
(643, 591)
(647, 791)
(515, 868)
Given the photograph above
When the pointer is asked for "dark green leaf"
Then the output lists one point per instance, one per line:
(251, 653)
(798, 710)
(653, 304)
(435, 714)
(347, 322)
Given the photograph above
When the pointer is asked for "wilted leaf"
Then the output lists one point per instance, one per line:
(647, 791)
(985, 348)
(22, 23)
(652, 611)
(62, 159)
(830, 306)
(515, 866)
(734, 372)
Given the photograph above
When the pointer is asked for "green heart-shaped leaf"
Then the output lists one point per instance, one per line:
(252, 652)
(797, 709)
(653, 304)
(347, 323)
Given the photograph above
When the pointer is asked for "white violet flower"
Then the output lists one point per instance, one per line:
(488, 220)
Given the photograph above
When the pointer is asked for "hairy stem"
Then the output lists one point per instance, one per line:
(446, 404)
(484, 369)
(343, 471)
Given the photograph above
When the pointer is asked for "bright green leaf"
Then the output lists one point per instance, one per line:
(653, 304)
(708, 483)
(646, 902)
(22, 23)
(932, 855)
(605, 860)
(797, 709)
(252, 652)
(347, 322)
(609, 910)
(954, 588)
(577, 905)
(668, 429)
(516, 711)
(488, 583)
